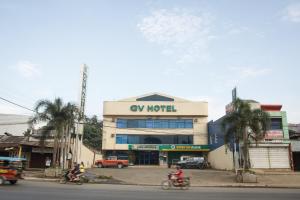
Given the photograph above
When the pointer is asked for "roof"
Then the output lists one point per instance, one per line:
(13, 141)
(295, 128)
(155, 96)
(271, 107)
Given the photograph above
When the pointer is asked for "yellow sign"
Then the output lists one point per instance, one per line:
(3, 171)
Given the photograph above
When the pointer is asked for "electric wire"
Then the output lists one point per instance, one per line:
(4, 99)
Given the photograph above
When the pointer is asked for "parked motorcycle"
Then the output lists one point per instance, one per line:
(79, 179)
(173, 183)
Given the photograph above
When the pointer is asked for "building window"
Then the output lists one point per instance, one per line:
(216, 139)
(149, 123)
(121, 123)
(154, 139)
(155, 123)
(121, 139)
(276, 124)
(188, 123)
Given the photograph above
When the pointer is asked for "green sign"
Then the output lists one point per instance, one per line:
(153, 108)
(149, 147)
(168, 147)
(183, 147)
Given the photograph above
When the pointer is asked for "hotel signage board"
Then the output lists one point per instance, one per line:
(153, 108)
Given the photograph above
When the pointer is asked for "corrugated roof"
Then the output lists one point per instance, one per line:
(6, 141)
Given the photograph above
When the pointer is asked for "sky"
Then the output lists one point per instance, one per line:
(193, 49)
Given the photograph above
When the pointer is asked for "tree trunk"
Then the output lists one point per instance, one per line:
(54, 151)
(246, 150)
(62, 145)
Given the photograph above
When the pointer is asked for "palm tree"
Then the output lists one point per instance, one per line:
(58, 117)
(246, 125)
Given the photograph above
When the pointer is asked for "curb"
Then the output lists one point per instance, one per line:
(40, 179)
(155, 185)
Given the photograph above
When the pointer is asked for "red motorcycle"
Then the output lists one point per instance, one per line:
(172, 182)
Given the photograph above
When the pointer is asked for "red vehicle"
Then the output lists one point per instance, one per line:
(10, 169)
(112, 161)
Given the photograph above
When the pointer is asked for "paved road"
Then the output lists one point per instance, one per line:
(27, 190)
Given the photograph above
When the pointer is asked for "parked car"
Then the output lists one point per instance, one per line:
(192, 162)
(112, 161)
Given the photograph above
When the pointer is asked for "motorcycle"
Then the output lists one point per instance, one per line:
(172, 182)
(78, 179)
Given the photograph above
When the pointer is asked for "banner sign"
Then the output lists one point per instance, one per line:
(146, 147)
(168, 147)
(41, 150)
(184, 147)
(274, 134)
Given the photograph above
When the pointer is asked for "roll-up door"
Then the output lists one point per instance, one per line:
(259, 157)
(269, 157)
(279, 158)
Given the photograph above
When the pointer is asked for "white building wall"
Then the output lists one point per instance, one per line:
(88, 157)
(221, 158)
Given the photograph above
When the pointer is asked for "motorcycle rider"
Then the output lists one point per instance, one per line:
(73, 173)
(81, 168)
(179, 174)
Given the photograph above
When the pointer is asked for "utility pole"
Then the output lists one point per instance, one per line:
(236, 154)
(79, 127)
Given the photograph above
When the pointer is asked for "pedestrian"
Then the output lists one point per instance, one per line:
(82, 169)
(48, 162)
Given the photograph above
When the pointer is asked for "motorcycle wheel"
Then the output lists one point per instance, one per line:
(79, 182)
(165, 185)
(63, 180)
(185, 185)
(2, 181)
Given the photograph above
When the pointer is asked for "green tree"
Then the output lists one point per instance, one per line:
(59, 117)
(92, 132)
(244, 125)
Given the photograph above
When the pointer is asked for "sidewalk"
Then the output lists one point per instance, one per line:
(152, 176)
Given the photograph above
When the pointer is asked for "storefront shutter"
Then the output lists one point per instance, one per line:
(279, 158)
(259, 157)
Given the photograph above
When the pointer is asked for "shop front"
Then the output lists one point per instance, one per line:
(164, 154)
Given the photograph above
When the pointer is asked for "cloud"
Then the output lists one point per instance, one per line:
(249, 72)
(27, 69)
(238, 30)
(181, 34)
(292, 13)
(233, 30)
(234, 76)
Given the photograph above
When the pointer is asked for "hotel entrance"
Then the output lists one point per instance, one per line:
(146, 158)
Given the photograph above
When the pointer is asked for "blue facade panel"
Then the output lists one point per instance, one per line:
(215, 134)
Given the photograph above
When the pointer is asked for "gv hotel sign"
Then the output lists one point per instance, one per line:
(153, 108)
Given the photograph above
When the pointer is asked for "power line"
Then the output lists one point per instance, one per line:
(16, 104)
